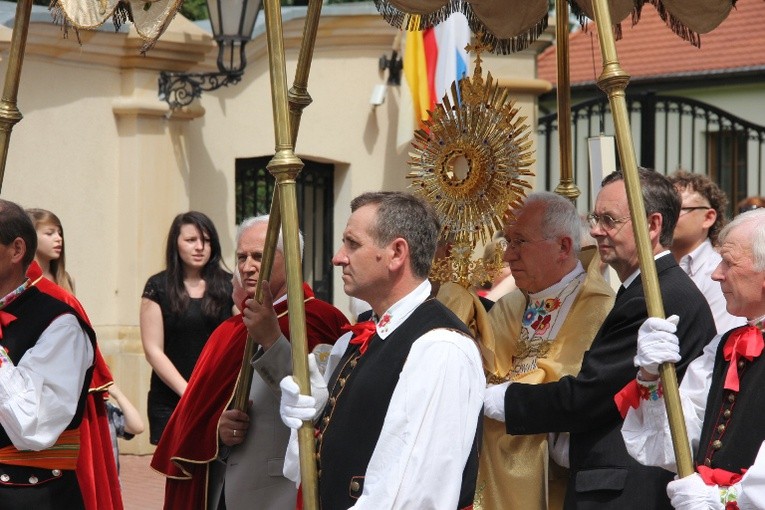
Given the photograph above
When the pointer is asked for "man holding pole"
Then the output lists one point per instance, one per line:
(215, 457)
(603, 475)
(722, 390)
(538, 334)
(399, 429)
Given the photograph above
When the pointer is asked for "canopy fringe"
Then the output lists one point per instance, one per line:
(412, 22)
(60, 19)
(674, 24)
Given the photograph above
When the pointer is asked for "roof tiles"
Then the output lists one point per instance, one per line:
(651, 50)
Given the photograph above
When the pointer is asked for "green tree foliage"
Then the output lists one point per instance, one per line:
(194, 9)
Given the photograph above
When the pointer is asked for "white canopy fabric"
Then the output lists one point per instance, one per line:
(150, 17)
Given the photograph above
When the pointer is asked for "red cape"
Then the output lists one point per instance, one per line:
(96, 465)
(190, 440)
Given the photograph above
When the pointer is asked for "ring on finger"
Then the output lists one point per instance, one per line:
(234, 432)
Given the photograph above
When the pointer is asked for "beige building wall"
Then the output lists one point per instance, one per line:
(97, 147)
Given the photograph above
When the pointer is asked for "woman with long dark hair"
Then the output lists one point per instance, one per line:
(180, 307)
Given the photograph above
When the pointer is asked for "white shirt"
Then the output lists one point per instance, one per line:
(699, 265)
(647, 437)
(431, 421)
(39, 396)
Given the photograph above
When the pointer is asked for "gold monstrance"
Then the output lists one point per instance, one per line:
(468, 162)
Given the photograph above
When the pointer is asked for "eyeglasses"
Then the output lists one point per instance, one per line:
(516, 244)
(684, 210)
(606, 221)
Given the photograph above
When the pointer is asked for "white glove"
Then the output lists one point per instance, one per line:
(557, 444)
(494, 401)
(294, 407)
(291, 468)
(657, 343)
(691, 493)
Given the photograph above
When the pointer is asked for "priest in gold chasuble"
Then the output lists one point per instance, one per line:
(537, 334)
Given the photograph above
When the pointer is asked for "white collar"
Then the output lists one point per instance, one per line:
(402, 309)
(628, 281)
(555, 289)
(698, 254)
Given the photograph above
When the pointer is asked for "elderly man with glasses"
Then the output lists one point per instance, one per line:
(538, 334)
(602, 474)
(702, 216)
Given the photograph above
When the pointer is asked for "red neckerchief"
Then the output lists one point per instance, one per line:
(745, 341)
(362, 332)
(5, 319)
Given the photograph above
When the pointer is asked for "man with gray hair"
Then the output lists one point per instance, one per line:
(399, 428)
(219, 458)
(538, 334)
(602, 474)
(721, 393)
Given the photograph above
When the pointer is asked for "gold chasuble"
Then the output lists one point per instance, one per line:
(513, 470)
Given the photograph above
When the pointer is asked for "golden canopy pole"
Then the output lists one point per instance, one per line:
(566, 187)
(298, 94)
(614, 81)
(9, 113)
(285, 167)
(298, 99)
(244, 381)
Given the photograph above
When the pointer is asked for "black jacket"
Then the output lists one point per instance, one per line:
(603, 475)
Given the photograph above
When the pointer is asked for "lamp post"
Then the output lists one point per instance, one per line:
(232, 24)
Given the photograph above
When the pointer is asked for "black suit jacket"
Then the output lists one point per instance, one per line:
(603, 475)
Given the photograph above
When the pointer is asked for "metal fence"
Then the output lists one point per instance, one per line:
(669, 133)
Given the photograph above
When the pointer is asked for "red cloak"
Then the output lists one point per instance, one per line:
(190, 441)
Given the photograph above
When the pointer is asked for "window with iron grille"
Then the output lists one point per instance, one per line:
(727, 153)
(315, 202)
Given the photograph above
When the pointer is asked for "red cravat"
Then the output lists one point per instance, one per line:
(5, 319)
(746, 342)
(362, 332)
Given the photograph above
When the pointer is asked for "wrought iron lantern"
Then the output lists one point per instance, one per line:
(233, 22)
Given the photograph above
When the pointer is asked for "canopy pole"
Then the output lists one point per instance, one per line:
(244, 381)
(566, 187)
(299, 99)
(285, 167)
(9, 113)
(613, 81)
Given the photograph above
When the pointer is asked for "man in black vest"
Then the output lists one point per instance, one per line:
(46, 362)
(722, 393)
(603, 476)
(399, 428)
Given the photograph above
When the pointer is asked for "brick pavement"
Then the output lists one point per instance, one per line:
(142, 487)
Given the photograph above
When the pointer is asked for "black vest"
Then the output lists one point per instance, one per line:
(360, 391)
(734, 423)
(34, 311)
